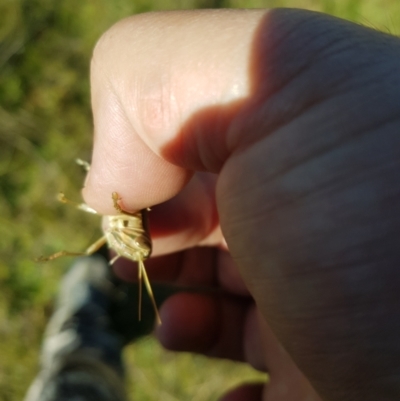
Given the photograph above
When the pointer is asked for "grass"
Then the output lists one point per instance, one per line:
(45, 123)
(180, 377)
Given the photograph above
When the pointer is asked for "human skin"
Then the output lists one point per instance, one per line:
(274, 134)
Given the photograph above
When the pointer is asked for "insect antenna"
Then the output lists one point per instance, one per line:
(142, 273)
(140, 284)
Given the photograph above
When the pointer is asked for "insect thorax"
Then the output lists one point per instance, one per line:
(128, 235)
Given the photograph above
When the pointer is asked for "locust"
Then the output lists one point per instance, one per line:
(126, 233)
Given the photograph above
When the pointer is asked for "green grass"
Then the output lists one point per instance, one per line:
(155, 374)
(45, 123)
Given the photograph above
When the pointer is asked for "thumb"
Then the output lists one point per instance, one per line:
(150, 74)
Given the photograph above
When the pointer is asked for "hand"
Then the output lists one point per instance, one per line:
(276, 133)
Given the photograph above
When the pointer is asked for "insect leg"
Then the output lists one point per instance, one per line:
(57, 255)
(114, 259)
(92, 249)
(82, 206)
(96, 245)
(83, 163)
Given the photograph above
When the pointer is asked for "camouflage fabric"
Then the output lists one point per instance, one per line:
(96, 315)
(81, 355)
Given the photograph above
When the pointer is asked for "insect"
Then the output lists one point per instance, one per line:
(127, 234)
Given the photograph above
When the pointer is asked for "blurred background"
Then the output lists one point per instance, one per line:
(45, 124)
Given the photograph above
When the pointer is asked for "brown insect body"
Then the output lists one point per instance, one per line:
(128, 235)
